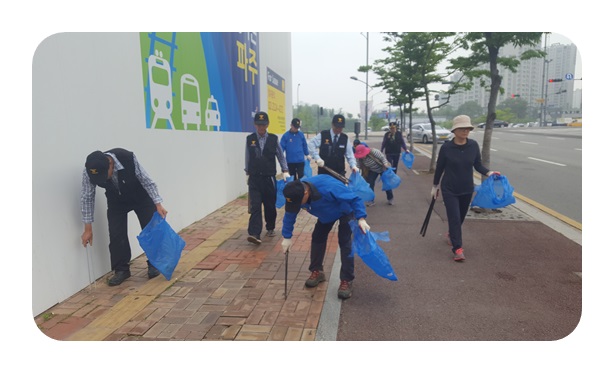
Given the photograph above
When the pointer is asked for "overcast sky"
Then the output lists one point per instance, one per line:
(322, 67)
(323, 62)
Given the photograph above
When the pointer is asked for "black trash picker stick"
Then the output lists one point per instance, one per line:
(427, 218)
(337, 175)
(286, 277)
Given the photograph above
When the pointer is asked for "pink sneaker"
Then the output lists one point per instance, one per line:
(459, 256)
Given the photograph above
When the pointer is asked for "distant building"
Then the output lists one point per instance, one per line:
(528, 82)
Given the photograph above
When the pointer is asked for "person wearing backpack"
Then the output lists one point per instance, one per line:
(455, 164)
(375, 161)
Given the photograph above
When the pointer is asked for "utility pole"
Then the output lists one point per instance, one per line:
(542, 115)
(367, 93)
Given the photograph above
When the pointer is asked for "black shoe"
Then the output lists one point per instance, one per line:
(270, 233)
(118, 278)
(254, 239)
(152, 271)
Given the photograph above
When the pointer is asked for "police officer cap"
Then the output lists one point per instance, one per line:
(261, 118)
(339, 121)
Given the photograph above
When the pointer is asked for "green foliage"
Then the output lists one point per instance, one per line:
(484, 51)
(518, 106)
(376, 123)
(470, 108)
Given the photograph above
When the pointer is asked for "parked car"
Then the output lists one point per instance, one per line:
(496, 124)
(386, 128)
(423, 133)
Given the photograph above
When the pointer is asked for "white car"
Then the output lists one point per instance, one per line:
(423, 133)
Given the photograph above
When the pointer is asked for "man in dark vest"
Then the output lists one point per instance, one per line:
(260, 152)
(334, 148)
(128, 188)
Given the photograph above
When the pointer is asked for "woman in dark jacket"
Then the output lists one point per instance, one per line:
(456, 161)
(392, 144)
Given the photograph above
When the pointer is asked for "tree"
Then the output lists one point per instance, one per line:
(411, 68)
(517, 105)
(483, 64)
(470, 108)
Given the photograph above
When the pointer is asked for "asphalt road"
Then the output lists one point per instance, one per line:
(543, 164)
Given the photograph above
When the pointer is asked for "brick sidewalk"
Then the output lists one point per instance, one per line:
(223, 288)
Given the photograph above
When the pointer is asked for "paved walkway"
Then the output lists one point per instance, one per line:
(223, 288)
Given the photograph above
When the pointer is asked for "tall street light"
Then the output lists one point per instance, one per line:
(367, 86)
(366, 89)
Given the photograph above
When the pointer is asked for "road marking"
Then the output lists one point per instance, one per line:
(542, 160)
(549, 211)
(527, 142)
(555, 138)
(493, 150)
(580, 149)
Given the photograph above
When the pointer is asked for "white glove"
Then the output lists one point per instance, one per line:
(355, 170)
(286, 244)
(309, 158)
(435, 191)
(364, 227)
(320, 162)
(286, 175)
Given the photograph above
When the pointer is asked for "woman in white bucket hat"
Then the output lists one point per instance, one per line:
(455, 164)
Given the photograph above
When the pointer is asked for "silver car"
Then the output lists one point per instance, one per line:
(422, 132)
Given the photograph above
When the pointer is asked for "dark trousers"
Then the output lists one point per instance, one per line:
(393, 159)
(119, 246)
(297, 170)
(371, 177)
(456, 210)
(262, 192)
(319, 237)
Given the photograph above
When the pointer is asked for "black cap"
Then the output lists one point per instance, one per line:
(294, 192)
(97, 166)
(261, 118)
(339, 121)
(356, 142)
(296, 123)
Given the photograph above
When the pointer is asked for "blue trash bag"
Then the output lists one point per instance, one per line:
(308, 172)
(281, 184)
(408, 159)
(495, 192)
(359, 185)
(390, 180)
(161, 245)
(370, 252)
(281, 200)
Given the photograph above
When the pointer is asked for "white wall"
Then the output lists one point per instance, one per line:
(87, 94)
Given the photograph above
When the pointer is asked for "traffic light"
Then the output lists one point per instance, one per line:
(554, 80)
(515, 95)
